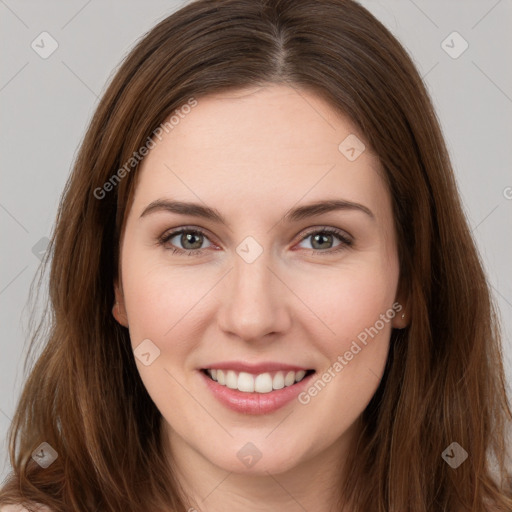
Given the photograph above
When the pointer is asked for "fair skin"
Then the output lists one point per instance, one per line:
(252, 156)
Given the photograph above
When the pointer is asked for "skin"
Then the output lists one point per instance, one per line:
(252, 155)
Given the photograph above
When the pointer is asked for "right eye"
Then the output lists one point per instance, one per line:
(186, 237)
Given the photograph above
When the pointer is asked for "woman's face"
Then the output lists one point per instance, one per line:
(265, 292)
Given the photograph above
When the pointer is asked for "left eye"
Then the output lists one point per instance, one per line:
(326, 235)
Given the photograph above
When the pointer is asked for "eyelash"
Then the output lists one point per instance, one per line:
(346, 242)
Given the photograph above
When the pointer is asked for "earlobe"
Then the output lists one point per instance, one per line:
(118, 310)
(402, 317)
(119, 314)
(401, 320)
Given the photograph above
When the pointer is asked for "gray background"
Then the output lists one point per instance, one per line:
(47, 103)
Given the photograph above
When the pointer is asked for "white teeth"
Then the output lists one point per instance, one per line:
(278, 382)
(299, 375)
(246, 382)
(231, 380)
(289, 379)
(262, 383)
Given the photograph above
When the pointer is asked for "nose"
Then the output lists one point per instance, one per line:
(254, 301)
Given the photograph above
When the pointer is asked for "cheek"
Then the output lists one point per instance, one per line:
(355, 306)
(359, 311)
(344, 302)
(163, 306)
(158, 300)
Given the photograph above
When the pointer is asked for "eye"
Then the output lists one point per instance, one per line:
(322, 238)
(190, 239)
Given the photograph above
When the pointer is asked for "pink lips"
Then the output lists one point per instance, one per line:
(255, 403)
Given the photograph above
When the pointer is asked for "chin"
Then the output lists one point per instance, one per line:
(256, 459)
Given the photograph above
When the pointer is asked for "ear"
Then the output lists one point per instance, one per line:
(119, 311)
(403, 311)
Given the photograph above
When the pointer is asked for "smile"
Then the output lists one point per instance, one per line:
(254, 393)
(260, 383)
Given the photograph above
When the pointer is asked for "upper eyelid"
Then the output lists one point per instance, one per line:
(171, 233)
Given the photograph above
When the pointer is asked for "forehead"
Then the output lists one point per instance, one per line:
(260, 144)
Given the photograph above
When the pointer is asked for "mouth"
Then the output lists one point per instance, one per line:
(256, 383)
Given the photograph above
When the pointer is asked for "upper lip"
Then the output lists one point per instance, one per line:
(239, 366)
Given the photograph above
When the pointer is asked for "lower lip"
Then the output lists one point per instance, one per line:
(255, 403)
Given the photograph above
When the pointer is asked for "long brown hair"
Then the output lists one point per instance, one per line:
(444, 380)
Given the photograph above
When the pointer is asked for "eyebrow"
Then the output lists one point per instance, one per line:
(292, 215)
